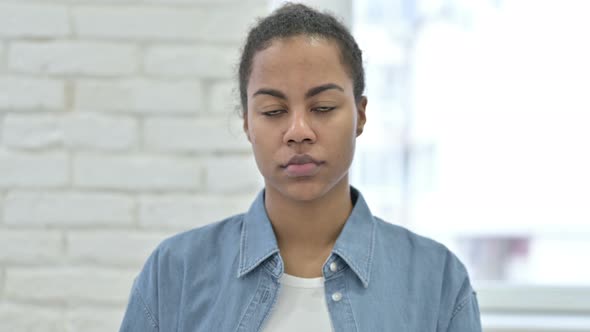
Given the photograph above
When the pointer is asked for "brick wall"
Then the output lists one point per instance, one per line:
(117, 128)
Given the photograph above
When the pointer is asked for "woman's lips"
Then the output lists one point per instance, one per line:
(302, 165)
(302, 170)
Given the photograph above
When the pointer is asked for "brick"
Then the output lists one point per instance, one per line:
(96, 319)
(173, 2)
(236, 20)
(2, 55)
(127, 248)
(41, 246)
(31, 93)
(47, 169)
(189, 211)
(137, 23)
(202, 135)
(139, 96)
(164, 23)
(2, 197)
(30, 318)
(79, 130)
(87, 131)
(69, 284)
(68, 57)
(224, 98)
(137, 173)
(199, 61)
(68, 208)
(33, 20)
(233, 175)
(31, 131)
(204, 2)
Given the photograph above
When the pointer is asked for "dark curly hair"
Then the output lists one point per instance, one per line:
(297, 19)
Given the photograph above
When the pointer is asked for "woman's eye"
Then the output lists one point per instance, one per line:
(323, 109)
(273, 112)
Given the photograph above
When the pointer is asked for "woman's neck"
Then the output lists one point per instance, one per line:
(306, 231)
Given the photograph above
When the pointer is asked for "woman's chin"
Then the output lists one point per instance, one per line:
(304, 190)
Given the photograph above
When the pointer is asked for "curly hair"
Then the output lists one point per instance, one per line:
(296, 19)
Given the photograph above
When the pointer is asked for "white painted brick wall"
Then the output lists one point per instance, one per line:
(74, 209)
(224, 96)
(232, 175)
(135, 172)
(1, 55)
(18, 93)
(200, 135)
(125, 248)
(77, 131)
(31, 131)
(30, 318)
(117, 129)
(69, 285)
(184, 211)
(97, 319)
(30, 246)
(224, 23)
(42, 169)
(73, 58)
(205, 61)
(140, 95)
(18, 20)
(86, 130)
(138, 22)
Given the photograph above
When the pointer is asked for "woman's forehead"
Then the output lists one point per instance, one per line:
(297, 50)
(298, 59)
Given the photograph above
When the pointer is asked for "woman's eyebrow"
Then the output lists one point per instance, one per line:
(319, 89)
(310, 93)
(270, 92)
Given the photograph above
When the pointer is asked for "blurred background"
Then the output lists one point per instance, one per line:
(119, 126)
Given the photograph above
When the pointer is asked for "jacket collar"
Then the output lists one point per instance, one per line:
(257, 241)
(356, 241)
(354, 244)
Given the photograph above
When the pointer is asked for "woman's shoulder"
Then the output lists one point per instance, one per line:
(414, 249)
(430, 271)
(201, 240)
(405, 236)
(199, 249)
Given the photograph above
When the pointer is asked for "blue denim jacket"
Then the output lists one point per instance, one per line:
(224, 277)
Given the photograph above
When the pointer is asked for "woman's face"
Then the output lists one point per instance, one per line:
(302, 119)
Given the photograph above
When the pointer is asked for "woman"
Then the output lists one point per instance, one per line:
(308, 255)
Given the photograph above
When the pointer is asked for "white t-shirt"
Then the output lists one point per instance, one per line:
(300, 307)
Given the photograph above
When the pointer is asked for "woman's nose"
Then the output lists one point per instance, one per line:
(300, 128)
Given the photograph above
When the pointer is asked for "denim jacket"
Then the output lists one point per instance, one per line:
(224, 277)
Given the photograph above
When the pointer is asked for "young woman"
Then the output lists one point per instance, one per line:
(308, 255)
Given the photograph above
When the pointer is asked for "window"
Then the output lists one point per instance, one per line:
(483, 143)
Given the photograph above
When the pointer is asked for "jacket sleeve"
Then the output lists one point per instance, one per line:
(138, 317)
(466, 317)
(141, 314)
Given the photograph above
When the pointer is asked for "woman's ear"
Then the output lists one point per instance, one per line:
(361, 108)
